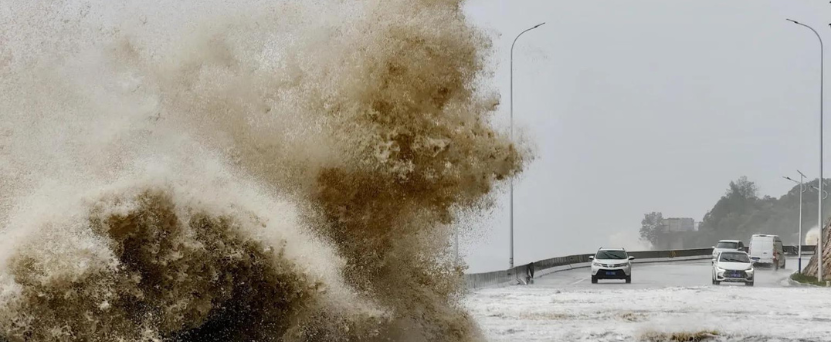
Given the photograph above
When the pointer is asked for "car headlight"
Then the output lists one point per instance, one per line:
(596, 264)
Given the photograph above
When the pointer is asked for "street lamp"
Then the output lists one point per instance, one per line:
(799, 238)
(819, 193)
(511, 261)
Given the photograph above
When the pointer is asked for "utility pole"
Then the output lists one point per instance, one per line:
(821, 180)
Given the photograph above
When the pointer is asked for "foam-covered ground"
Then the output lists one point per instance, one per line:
(738, 313)
(615, 311)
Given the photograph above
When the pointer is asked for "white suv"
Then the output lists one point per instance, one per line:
(728, 245)
(610, 263)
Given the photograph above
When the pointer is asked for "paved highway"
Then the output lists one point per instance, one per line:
(657, 275)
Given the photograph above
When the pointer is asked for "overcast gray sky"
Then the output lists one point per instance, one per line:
(646, 105)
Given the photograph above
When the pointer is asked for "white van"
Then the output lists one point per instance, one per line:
(763, 247)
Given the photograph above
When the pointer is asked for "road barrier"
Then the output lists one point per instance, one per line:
(519, 274)
(792, 250)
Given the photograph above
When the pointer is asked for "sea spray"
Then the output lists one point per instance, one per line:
(255, 171)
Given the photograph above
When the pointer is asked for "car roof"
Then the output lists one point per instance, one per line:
(611, 249)
(722, 252)
(728, 240)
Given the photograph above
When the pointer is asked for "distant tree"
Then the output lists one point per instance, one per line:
(734, 209)
(653, 228)
(743, 188)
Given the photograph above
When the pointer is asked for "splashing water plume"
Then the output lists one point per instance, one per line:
(201, 171)
(812, 236)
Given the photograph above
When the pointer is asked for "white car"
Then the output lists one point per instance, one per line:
(733, 267)
(610, 263)
(727, 245)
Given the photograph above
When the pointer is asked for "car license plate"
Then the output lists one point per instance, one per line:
(610, 273)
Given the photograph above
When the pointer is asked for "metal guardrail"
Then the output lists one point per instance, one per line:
(792, 250)
(518, 274)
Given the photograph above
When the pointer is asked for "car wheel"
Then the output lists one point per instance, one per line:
(750, 283)
(629, 279)
(594, 280)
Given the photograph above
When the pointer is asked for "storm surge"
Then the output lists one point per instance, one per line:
(255, 170)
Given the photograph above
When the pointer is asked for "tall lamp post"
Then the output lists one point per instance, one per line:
(511, 261)
(799, 237)
(819, 193)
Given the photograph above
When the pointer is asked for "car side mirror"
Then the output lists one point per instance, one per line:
(631, 258)
(591, 258)
(713, 247)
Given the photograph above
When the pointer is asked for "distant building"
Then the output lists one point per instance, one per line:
(683, 224)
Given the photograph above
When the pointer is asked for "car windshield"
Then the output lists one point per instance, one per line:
(731, 245)
(734, 257)
(611, 255)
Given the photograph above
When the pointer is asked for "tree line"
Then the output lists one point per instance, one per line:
(740, 213)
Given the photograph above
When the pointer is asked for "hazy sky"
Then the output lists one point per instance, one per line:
(638, 106)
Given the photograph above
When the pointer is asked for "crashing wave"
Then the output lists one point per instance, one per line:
(256, 171)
